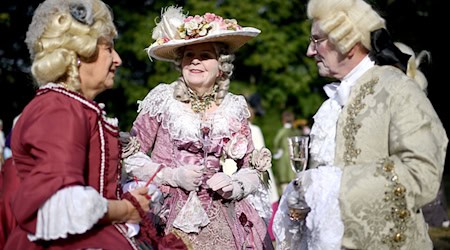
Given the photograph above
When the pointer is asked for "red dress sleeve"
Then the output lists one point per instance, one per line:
(49, 149)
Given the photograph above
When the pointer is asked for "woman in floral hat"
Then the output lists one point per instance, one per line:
(190, 126)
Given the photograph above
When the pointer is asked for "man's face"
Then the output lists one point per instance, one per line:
(328, 59)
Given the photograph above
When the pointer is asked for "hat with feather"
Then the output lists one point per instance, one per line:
(176, 30)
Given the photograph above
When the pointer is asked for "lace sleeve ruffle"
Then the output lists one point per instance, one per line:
(323, 133)
(77, 208)
(322, 195)
(156, 100)
(141, 166)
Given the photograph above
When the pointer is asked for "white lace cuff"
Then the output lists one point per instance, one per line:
(141, 166)
(72, 210)
(322, 195)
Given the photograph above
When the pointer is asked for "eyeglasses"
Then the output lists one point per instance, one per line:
(317, 41)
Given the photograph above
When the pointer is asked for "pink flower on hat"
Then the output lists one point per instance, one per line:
(199, 26)
(175, 30)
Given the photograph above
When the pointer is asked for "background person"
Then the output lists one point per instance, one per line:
(377, 147)
(65, 149)
(282, 169)
(185, 128)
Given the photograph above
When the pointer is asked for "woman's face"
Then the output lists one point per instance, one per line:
(200, 67)
(98, 75)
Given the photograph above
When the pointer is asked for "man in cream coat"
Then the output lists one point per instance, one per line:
(377, 147)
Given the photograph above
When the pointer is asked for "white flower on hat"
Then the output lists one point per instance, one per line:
(171, 19)
(199, 26)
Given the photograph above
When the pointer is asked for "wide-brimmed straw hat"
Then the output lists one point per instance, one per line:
(176, 30)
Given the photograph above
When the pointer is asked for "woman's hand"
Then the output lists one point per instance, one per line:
(188, 177)
(143, 199)
(224, 186)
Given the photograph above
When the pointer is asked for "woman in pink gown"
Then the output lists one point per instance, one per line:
(184, 131)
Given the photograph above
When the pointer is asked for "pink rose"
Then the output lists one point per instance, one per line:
(261, 160)
(245, 130)
(236, 147)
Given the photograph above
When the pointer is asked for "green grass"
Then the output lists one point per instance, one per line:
(441, 236)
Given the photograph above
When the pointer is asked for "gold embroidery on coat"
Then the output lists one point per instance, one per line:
(395, 196)
(351, 127)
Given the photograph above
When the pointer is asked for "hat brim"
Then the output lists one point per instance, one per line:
(233, 38)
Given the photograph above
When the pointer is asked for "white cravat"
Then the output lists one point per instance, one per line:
(341, 91)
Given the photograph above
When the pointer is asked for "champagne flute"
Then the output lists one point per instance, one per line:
(298, 152)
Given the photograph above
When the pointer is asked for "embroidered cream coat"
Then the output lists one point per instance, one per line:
(391, 146)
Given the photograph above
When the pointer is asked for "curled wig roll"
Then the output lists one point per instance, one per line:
(346, 22)
(61, 32)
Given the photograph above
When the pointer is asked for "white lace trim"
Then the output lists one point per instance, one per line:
(183, 124)
(260, 199)
(324, 227)
(324, 222)
(323, 132)
(192, 216)
(72, 210)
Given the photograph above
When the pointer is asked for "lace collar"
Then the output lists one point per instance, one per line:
(184, 124)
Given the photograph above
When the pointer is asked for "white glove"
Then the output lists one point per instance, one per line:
(225, 186)
(140, 165)
(188, 177)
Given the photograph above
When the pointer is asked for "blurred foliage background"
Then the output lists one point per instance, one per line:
(273, 65)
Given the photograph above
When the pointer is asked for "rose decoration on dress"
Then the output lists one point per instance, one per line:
(261, 160)
(236, 147)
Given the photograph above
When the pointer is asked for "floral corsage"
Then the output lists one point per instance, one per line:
(261, 159)
(236, 147)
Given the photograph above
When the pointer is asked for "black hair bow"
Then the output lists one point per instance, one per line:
(384, 51)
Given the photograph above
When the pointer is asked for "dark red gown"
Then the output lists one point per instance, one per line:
(61, 140)
(9, 182)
